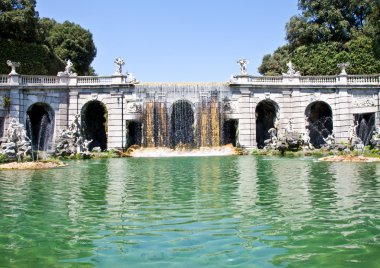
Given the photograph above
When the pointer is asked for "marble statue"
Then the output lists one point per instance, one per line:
(69, 66)
(291, 71)
(18, 144)
(289, 127)
(352, 135)
(119, 65)
(243, 66)
(68, 69)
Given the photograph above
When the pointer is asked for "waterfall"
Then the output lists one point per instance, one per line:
(366, 127)
(181, 124)
(319, 130)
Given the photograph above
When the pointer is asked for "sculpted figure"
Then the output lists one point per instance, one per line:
(68, 67)
(289, 127)
(291, 71)
(352, 132)
(243, 66)
(119, 64)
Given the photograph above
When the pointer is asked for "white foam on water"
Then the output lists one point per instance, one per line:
(167, 152)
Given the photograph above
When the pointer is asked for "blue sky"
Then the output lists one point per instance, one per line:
(178, 40)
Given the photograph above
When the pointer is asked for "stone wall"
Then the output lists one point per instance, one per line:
(123, 102)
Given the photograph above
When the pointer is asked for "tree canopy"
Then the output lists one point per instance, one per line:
(18, 20)
(328, 32)
(70, 41)
(20, 25)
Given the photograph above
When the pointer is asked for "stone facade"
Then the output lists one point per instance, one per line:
(346, 96)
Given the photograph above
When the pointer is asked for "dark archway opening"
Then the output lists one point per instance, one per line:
(133, 133)
(320, 124)
(40, 126)
(366, 126)
(229, 132)
(182, 125)
(94, 122)
(266, 114)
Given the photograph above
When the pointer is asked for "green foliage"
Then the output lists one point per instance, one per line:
(6, 102)
(327, 33)
(3, 158)
(18, 20)
(70, 41)
(34, 58)
(275, 64)
(41, 45)
(325, 20)
(362, 56)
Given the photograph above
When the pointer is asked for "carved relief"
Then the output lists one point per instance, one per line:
(229, 106)
(363, 101)
(134, 107)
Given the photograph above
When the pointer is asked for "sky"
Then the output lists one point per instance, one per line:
(178, 40)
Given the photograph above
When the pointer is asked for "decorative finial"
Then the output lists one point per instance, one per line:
(243, 66)
(119, 64)
(13, 65)
(343, 66)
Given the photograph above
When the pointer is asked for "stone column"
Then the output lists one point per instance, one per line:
(343, 117)
(116, 124)
(16, 103)
(73, 107)
(63, 112)
(286, 111)
(246, 125)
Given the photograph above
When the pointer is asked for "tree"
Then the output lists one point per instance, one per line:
(275, 64)
(329, 32)
(327, 20)
(71, 41)
(18, 20)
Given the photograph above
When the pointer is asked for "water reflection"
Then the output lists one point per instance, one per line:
(238, 211)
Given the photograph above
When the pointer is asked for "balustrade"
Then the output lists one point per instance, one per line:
(39, 80)
(363, 79)
(94, 80)
(317, 80)
(30, 80)
(3, 79)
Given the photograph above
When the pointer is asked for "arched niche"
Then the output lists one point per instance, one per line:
(94, 122)
(40, 125)
(182, 124)
(319, 122)
(266, 116)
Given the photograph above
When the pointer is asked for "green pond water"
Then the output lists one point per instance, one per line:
(192, 212)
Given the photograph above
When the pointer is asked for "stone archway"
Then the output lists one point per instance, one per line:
(319, 122)
(182, 124)
(266, 115)
(40, 125)
(94, 122)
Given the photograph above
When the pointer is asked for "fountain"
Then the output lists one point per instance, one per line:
(182, 127)
(18, 145)
(18, 148)
(71, 140)
(40, 126)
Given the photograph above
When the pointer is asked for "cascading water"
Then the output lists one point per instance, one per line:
(40, 128)
(320, 130)
(29, 134)
(182, 125)
(366, 127)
